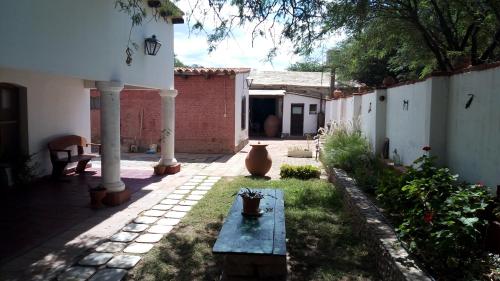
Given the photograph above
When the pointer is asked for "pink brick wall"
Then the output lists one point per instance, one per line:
(201, 126)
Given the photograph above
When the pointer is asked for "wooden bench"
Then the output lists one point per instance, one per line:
(61, 154)
(254, 248)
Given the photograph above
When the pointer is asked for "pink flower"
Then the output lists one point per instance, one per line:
(426, 148)
(480, 184)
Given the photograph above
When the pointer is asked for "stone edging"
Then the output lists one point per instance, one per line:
(392, 260)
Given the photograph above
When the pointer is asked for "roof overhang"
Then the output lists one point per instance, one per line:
(266, 92)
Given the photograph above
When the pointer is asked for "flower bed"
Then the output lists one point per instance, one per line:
(438, 219)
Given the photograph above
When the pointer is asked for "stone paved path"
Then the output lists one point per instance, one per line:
(105, 245)
(124, 250)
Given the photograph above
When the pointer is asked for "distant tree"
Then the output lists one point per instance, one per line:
(178, 62)
(307, 66)
(421, 35)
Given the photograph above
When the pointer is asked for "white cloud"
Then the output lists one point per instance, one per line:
(236, 51)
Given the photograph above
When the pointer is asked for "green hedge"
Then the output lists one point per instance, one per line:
(299, 172)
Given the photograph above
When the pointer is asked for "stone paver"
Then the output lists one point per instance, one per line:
(190, 183)
(123, 261)
(175, 196)
(175, 214)
(124, 237)
(199, 192)
(170, 201)
(111, 247)
(182, 208)
(160, 229)
(135, 227)
(187, 203)
(153, 213)
(149, 238)
(186, 187)
(138, 248)
(96, 259)
(195, 180)
(109, 274)
(181, 192)
(146, 220)
(214, 178)
(162, 207)
(193, 197)
(204, 187)
(76, 273)
(168, 221)
(207, 184)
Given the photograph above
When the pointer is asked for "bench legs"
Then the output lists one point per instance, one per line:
(58, 169)
(241, 267)
(82, 164)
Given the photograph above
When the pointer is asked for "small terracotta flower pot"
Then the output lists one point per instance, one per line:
(251, 206)
(96, 197)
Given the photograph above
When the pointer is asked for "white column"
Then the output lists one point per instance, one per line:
(168, 127)
(110, 135)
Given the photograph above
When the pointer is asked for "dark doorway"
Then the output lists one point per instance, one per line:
(297, 119)
(9, 123)
(13, 130)
(260, 109)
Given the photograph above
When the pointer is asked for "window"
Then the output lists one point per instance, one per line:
(95, 102)
(244, 113)
(313, 109)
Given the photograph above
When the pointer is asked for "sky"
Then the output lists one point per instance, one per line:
(237, 51)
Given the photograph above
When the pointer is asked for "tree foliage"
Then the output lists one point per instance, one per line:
(408, 38)
(307, 66)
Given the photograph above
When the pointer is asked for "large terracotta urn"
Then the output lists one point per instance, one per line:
(272, 126)
(258, 160)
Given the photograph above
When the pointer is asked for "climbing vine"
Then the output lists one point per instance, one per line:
(138, 12)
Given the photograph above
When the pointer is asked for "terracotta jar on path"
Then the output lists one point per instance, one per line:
(272, 126)
(258, 160)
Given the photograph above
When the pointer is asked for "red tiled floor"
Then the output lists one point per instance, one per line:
(31, 216)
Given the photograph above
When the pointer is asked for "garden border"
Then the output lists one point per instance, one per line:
(393, 262)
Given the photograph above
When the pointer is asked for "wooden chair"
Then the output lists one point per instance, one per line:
(65, 146)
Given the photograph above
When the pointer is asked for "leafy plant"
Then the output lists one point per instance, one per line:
(346, 148)
(441, 219)
(250, 194)
(26, 169)
(299, 172)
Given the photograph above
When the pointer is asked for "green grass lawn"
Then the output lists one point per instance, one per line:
(319, 238)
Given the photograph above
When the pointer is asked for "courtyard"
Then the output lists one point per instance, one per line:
(54, 226)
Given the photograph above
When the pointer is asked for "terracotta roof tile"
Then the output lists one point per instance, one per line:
(210, 70)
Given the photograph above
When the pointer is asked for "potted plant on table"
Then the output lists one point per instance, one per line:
(251, 201)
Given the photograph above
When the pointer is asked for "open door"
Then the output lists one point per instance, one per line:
(297, 119)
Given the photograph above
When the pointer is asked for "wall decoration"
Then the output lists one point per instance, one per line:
(469, 102)
(406, 104)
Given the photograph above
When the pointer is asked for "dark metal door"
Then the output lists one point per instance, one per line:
(297, 119)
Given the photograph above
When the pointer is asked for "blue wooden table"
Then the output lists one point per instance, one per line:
(254, 246)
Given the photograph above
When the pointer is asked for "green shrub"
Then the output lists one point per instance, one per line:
(300, 172)
(440, 218)
(346, 148)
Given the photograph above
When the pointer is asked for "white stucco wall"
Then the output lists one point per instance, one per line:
(241, 90)
(368, 118)
(82, 39)
(473, 134)
(56, 106)
(310, 120)
(347, 109)
(408, 130)
(331, 108)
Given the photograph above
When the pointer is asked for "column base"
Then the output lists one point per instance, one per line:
(117, 198)
(173, 169)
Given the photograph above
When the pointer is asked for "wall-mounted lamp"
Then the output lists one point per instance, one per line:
(152, 45)
(249, 82)
(381, 98)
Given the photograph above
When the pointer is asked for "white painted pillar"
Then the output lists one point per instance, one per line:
(168, 127)
(110, 135)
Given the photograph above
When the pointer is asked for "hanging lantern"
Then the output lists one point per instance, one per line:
(152, 45)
